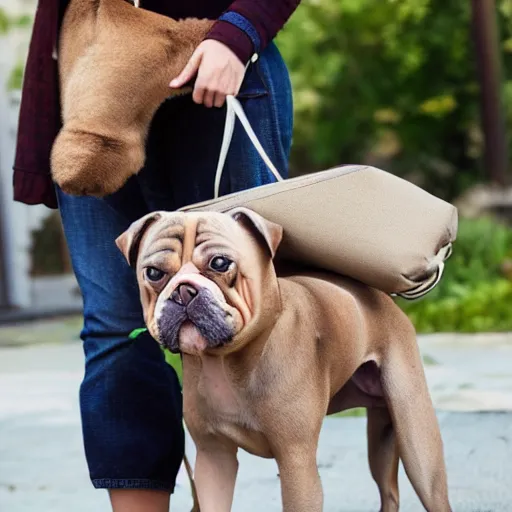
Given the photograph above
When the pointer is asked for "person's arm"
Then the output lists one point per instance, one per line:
(247, 27)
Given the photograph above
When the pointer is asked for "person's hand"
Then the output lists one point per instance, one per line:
(219, 73)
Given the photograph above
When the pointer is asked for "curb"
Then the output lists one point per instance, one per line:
(17, 316)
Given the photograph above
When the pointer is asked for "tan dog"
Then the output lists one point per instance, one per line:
(115, 65)
(266, 358)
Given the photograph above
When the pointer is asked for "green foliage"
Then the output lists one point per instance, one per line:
(391, 83)
(4, 22)
(7, 23)
(475, 293)
(15, 80)
(23, 21)
(175, 361)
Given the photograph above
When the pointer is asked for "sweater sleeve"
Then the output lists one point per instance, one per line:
(248, 26)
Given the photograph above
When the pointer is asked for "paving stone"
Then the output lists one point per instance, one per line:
(42, 465)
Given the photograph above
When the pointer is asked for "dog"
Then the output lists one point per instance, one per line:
(267, 357)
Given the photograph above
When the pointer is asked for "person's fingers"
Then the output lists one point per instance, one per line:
(208, 98)
(203, 85)
(225, 88)
(219, 99)
(189, 70)
(198, 94)
(218, 73)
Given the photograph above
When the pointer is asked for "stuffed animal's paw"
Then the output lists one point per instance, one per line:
(90, 164)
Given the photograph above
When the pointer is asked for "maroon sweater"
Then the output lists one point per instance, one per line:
(39, 120)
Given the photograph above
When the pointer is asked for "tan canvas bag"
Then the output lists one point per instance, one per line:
(354, 220)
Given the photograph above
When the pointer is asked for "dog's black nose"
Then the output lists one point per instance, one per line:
(184, 294)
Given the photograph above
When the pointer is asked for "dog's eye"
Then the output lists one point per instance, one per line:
(154, 274)
(220, 264)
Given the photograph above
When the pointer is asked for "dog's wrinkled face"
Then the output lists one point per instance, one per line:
(201, 275)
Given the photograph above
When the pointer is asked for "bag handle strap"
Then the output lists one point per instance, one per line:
(233, 110)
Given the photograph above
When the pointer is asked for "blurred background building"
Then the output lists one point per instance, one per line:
(34, 269)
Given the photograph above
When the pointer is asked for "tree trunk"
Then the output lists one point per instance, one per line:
(485, 32)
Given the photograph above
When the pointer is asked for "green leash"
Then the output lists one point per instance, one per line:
(176, 362)
(137, 332)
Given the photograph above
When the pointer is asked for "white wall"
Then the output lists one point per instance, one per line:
(13, 216)
(17, 220)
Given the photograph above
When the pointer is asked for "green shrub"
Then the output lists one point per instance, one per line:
(391, 83)
(474, 294)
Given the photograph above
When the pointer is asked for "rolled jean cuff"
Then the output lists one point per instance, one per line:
(132, 483)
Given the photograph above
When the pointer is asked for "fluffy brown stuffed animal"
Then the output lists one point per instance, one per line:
(115, 64)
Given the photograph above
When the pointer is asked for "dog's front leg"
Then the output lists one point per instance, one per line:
(215, 475)
(301, 488)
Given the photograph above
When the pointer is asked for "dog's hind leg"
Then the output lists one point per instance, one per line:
(419, 439)
(383, 456)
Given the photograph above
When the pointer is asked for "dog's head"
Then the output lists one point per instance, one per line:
(207, 280)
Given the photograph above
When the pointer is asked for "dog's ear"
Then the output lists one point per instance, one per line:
(128, 242)
(271, 233)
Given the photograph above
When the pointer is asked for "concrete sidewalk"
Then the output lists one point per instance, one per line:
(42, 466)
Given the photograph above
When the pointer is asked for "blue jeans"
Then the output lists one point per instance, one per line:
(130, 399)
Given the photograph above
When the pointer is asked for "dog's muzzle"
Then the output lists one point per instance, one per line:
(199, 306)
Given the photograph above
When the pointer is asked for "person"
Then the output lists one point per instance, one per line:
(130, 398)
